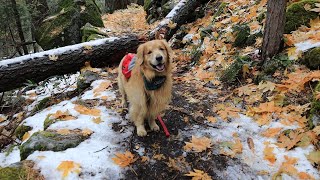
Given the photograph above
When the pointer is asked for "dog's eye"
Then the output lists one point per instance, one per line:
(149, 52)
(161, 49)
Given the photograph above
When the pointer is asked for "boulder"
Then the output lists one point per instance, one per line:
(157, 10)
(297, 15)
(311, 58)
(63, 28)
(50, 140)
(90, 32)
(20, 170)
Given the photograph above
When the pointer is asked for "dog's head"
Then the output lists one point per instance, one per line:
(155, 56)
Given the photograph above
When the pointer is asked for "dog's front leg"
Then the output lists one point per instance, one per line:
(137, 114)
(152, 123)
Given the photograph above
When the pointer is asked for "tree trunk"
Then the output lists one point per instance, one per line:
(38, 10)
(274, 28)
(39, 66)
(180, 14)
(19, 26)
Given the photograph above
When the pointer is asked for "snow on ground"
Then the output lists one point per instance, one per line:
(246, 128)
(94, 154)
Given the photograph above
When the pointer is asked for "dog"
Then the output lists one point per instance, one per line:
(148, 86)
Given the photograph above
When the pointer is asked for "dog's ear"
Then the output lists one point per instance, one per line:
(140, 54)
(168, 48)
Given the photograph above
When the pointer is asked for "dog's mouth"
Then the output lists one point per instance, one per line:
(160, 67)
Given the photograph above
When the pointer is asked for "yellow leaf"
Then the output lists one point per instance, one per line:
(25, 136)
(84, 110)
(97, 120)
(86, 132)
(159, 157)
(266, 86)
(305, 176)
(145, 159)
(102, 87)
(198, 175)
(2, 118)
(198, 144)
(307, 7)
(63, 115)
(172, 25)
(314, 157)
(124, 160)
(41, 157)
(212, 119)
(67, 167)
(268, 153)
(87, 67)
(316, 130)
(271, 132)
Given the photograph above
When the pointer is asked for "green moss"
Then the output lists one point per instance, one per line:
(42, 104)
(21, 130)
(261, 17)
(10, 149)
(232, 72)
(147, 4)
(13, 173)
(280, 61)
(90, 32)
(296, 15)
(315, 107)
(242, 32)
(312, 58)
(91, 14)
(221, 9)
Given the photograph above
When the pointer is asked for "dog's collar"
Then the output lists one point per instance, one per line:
(154, 83)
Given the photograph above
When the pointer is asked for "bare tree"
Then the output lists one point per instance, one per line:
(274, 28)
(19, 26)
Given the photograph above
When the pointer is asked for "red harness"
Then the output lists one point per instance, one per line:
(125, 65)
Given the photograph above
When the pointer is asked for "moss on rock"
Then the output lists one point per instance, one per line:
(312, 58)
(90, 32)
(13, 173)
(296, 15)
(242, 32)
(63, 28)
(21, 130)
(232, 72)
(50, 141)
(42, 104)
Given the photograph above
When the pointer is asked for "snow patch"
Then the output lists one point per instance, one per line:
(304, 46)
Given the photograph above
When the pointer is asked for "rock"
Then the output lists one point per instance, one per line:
(21, 130)
(311, 58)
(242, 32)
(296, 15)
(90, 32)
(63, 28)
(232, 72)
(85, 79)
(45, 102)
(50, 141)
(157, 10)
(20, 170)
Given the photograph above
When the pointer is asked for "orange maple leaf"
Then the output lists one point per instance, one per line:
(268, 153)
(271, 132)
(68, 166)
(102, 87)
(198, 144)
(124, 160)
(198, 175)
(289, 141)
(87, 111)
(63, 115)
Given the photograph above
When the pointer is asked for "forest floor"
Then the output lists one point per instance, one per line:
(219, 130)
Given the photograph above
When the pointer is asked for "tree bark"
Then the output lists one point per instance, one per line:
(274, 28)
(38, 67)
(180, 14)
(19, 26)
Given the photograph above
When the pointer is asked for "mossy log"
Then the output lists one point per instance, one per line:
(37, 67)
(180, 14)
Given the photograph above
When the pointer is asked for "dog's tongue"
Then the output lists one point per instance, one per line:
(160, 67)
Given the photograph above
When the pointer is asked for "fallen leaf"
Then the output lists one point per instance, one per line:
(316, 130)
(68, 167)
(25, 136)
(53, 57)
(86, 132)
(305, 176)
(250, 144)
(2, 118)
(268, 153)
(271, 132)
(97, 120)
(159, 157)
(198, 144)
(212, 119)
(314, 157)
(124, 160)
(198, 175)
(63, 131)
(145, 159)
(63, 115)
(87, 111)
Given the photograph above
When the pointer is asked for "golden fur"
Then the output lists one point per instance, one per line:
(134, 89)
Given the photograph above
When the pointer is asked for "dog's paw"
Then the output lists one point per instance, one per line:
(141, 131)
(154, 127)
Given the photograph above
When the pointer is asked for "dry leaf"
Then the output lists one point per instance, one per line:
(198, 144)
(159, 157)
(2, 118)
(84, 110)
(198, 175)
(314, 157)
(67, 167)
(268, 153)
(316, 130)
(271, 132)
(124, 160)
(250, 144)
(63, 131)
(212, 119)
(25, 136)
(63, 115)
(53, 57)
(97, 120)
(86, 132)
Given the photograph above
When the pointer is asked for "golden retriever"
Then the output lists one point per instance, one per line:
(153, 61)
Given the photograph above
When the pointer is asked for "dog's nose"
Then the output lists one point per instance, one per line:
(159, 58)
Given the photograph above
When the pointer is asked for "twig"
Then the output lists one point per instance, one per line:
(101, 149)
(133, 170)
(9, 138)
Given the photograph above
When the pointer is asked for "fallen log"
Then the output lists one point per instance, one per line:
(181, 14)
(39, 66)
